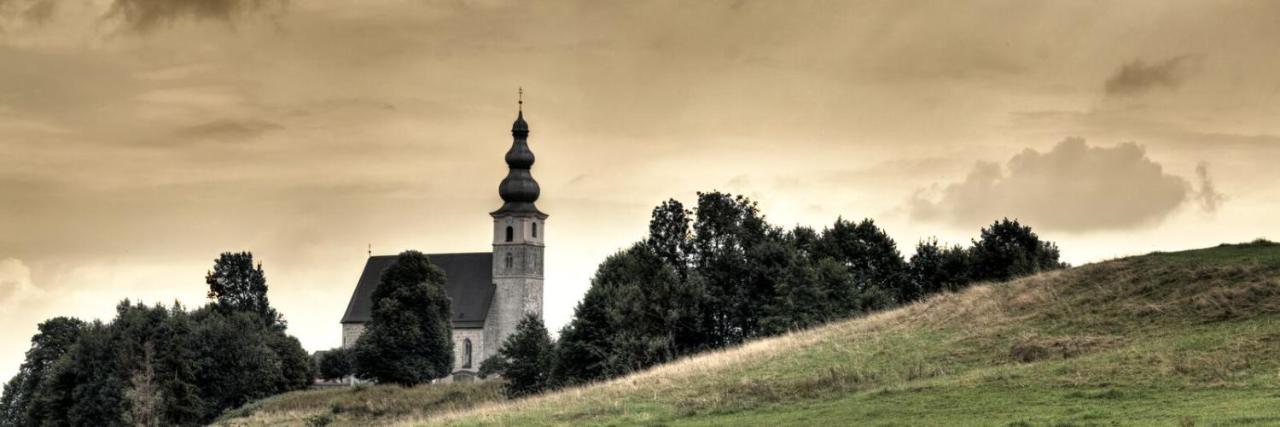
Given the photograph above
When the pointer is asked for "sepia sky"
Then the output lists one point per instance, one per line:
(140, 138)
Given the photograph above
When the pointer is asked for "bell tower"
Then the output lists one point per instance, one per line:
(519, 233)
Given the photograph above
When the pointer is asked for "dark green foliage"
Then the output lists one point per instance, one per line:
(296, 369)
(239, 359)
(1008, 249)
(528, 355)
(935, 268)
(785, 283)
(725, 228)
(871, 256)
(494, 365)
(237, 284)
(175, 365)
(54, 339)
(408, 339)
(633, 316)
(583, 352)
(669, 234)
(337, 364)
(154, 365)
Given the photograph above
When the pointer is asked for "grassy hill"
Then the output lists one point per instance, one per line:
(1186, 338)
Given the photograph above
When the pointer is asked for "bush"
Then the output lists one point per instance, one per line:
(494, 365)
(336, 364)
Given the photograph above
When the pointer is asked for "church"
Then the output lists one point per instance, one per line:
(489, 291)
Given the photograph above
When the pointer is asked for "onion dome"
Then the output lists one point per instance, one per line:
(518, 189)
(520, 127)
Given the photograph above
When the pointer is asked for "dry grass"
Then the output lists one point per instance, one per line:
(362, 405)
(976, 307)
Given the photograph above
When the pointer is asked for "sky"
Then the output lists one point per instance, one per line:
(141, 138)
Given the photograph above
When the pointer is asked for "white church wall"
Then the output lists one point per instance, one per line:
(350, 333)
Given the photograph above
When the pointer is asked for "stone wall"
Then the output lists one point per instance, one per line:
(350, 333)
(478, 349)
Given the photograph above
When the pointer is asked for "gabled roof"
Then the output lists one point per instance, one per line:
(468, 282)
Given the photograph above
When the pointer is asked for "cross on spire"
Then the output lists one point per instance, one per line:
(521, 98)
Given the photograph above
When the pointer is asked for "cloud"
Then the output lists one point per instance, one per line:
(32, 11)
(146, 15)
(227, 129)
(15, 282)
(1072, 187)
(1208, 196)
(1138, 77)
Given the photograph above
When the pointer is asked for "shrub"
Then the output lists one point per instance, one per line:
(527, 353)
(337, 364)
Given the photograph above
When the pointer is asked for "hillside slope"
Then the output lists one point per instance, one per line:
(1188, 338)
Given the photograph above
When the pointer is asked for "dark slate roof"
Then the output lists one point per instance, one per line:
(468, 282)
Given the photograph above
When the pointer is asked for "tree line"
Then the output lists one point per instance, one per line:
(720, 274)
(706, 278)
(157, 365)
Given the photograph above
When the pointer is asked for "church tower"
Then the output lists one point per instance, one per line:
(518, 236)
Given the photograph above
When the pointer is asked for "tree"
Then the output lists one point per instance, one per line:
(176, 367)
(235, 359)
(629, 319)
(934, 268)
(144, 395)
(237, 284)
(337, 364)
(669, 234)
(785, 282)
(583, 354)
(408, 339)
(296, 370)
(726, 227)
(872, 258)
(53, 339)
(528, 356)
(153, 365)
(1008, 249)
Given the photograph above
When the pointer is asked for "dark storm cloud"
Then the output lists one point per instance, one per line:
(1072, 187)
(228, 129)
(146, 15)
(1138, 77)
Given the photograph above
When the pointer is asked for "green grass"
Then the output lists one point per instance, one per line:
(1187, 338)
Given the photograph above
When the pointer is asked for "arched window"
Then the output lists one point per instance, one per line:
(535, 230)
(511, 233)
(466, 353)
(509, 261)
